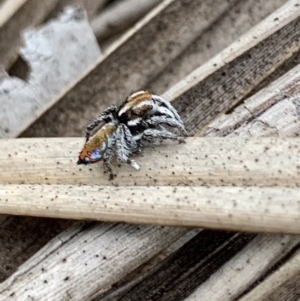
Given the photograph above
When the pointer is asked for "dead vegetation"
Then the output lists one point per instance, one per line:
(231, 68)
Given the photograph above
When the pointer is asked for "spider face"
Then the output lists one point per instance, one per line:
(141, 119)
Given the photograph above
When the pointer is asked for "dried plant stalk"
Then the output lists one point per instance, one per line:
(200, 161)
(273, 111)
(120, 16)
(51, 265)
(256, 209)
(210, 167)
(141, 59)
(281, 285)
(245, 268)
(8, 8)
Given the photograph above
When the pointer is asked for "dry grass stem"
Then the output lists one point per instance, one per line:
(237, 184)
(8, 8)
(280, 284)
(254, 209)
(201, 161)
(120, 16)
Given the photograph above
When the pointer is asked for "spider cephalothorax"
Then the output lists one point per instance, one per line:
(142, 111)
(142, 118)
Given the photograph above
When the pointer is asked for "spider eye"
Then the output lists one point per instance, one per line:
(86, 160)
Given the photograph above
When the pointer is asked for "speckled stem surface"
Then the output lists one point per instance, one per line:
(239, 184)
(200, 161)
(254, 209)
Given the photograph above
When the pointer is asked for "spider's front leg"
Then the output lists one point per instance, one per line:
(108, 115)
(126, 146)
(107, 158)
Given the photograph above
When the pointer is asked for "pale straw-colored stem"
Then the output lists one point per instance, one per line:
(228, 183)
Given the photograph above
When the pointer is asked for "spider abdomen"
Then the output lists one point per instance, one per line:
(96, 147)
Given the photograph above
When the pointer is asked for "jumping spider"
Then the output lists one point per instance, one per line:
(141, 119)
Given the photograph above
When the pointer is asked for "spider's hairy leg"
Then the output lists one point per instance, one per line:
(109, 169)
(126, 146)
(108, 156)
(165, 103)
(134, 164)
(160, 120)
(107, 116)
(152, 135)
